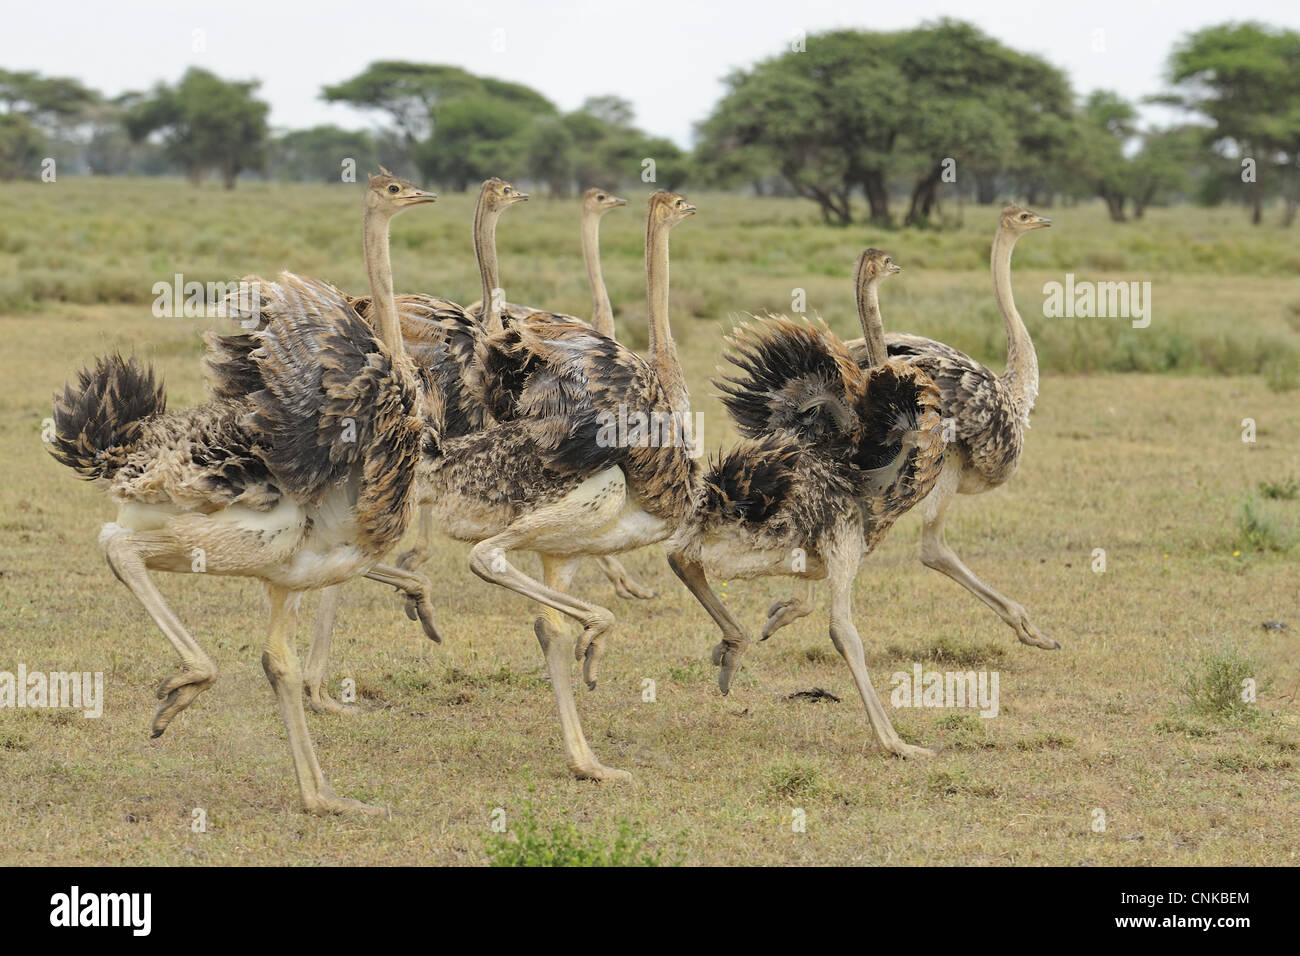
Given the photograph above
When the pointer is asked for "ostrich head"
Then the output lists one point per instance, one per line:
(877, 264)
(601, 201)
(1018, 220)
(498, 194)
(669, 208)
(389, 195)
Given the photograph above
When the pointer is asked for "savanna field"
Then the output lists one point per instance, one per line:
(1135, 448)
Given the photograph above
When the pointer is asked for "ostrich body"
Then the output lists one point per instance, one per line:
(300, 474)
(428, 321)
(987, 414)
(545, 481)
(807, 496)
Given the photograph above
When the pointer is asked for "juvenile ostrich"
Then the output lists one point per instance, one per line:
(552, 479)
(429, 321)
(834, 454)
(987, 414)
(300, 474)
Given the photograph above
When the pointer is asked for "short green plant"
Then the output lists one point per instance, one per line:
(563, 844)
(1215, 682)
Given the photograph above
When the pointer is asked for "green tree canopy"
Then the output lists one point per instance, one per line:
(205, 123)
(1244, 77)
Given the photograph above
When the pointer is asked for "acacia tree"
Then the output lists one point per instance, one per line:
(34, 111)
(205, 123)
(849, 108)
(1245, 77)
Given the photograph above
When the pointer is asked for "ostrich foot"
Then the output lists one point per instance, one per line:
(784, 612)
(178, 692)
(419, 607)
(727, 656)
(325, 802)
(589, 648)
(1029, 634)
(625, 586)
(595, 770)
(900, 749)
(320, 701)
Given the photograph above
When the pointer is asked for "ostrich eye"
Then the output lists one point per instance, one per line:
(506, 190)
(393, 188)
(601, 198)
(888, 260)
(1024, 215)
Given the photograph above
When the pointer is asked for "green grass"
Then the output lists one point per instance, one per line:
(1150, 467)
(95, 242)
(531, 843)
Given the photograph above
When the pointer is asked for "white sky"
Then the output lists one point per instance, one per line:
(666, 56)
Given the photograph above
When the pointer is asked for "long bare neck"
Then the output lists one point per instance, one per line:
(873, 328)
(602, 313)
(379, 269)
(663, 350)
(1021, 375)
(485, 250)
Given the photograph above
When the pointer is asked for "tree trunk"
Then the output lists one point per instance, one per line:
(873, 184)
(1256, 204)
(1288, 212)
(194, 174)
(986, 188)
(1115, 206)
(923, 197)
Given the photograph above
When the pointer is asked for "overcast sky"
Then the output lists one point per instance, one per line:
(666, 56)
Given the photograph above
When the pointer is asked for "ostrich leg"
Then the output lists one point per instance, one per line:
(283, 670)
(935, 553)
(127, 554)
(844, 635)
(727, 652)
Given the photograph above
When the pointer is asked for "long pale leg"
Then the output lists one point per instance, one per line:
(844, 635)
(126, 554)
(416, 556)
(625, 586)
(415, 586)
(935, 553)
(550, 631)
(726, 653)
(789, 610)
(316, 677)
(283, 670)
(487, 559)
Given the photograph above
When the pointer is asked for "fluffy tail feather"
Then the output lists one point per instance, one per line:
(99, 419)
(798, 378)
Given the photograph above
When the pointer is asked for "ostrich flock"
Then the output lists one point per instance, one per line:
(334, 420)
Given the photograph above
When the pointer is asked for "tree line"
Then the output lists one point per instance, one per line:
(903, 121)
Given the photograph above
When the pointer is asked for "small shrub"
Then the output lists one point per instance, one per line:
(1286, 490)
(565, 845)
(793, 780)
(1213, 684)
(1261, 531)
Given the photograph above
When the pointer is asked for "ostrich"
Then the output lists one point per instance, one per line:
(552, 480)
(988, 413)
(304, 482)
(833, 455)
(428, 321)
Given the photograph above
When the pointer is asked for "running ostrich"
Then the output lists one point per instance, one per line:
(988, 414)
(428, 322)
(552, 479)
(300, 473)
(834, 454)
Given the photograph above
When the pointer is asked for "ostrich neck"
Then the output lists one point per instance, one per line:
(485, 250)
(379, 270)
(873, 329)
(1021, 375)
(602, 313)
(663, 350)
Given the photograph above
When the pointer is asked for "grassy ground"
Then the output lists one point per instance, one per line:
(1196, 525)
